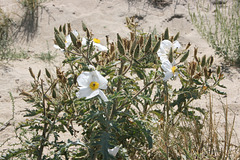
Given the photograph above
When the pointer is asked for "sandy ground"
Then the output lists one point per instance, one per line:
(103, 17)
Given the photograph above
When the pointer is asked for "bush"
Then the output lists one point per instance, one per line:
(112, 96)
(223, 33)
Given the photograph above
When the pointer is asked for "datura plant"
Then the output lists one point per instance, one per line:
(110, 94)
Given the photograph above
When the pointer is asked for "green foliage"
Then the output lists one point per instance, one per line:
(136, 93)
(223, 32)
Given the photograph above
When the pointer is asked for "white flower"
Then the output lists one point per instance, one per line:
(96, 43)
(91, 84)
(114, 150)
(68, 40)
(165, 47)
(169, 70)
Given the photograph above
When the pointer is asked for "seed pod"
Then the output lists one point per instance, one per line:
(79, 43)
(188, 45)
(39, 74)
(195, 54)
(31, 72)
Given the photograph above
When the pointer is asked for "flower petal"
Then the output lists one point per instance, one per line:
(97, 77)
(100, 47)
(84, 79)
(84, 92)
(93, 93)
(75, 33)
(166, 45)
(176, 44)
(114, 151)
(84, 41)
(167, 66)
(167, 76)
(103, 96)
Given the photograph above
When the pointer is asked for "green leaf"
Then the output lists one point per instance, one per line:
(47, 73)
(166, 34)
(140, 73)
(84, 27)
(64, 29)
(136, 52)
(120, 47)
(56, 31)
(59, 41)
(119, 38)
(184, 57)
(203, 61)
(73, 38)
(156, 47)
(170, 55)
(176, 36)
(149, 43)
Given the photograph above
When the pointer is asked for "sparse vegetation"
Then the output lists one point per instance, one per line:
(223, 33)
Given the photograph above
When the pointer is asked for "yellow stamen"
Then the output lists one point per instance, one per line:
(173, 69)
(96, 40)
(94, 85)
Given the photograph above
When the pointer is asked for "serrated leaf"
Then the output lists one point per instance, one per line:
(184, 57)
(149, 44)
(59, 41)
